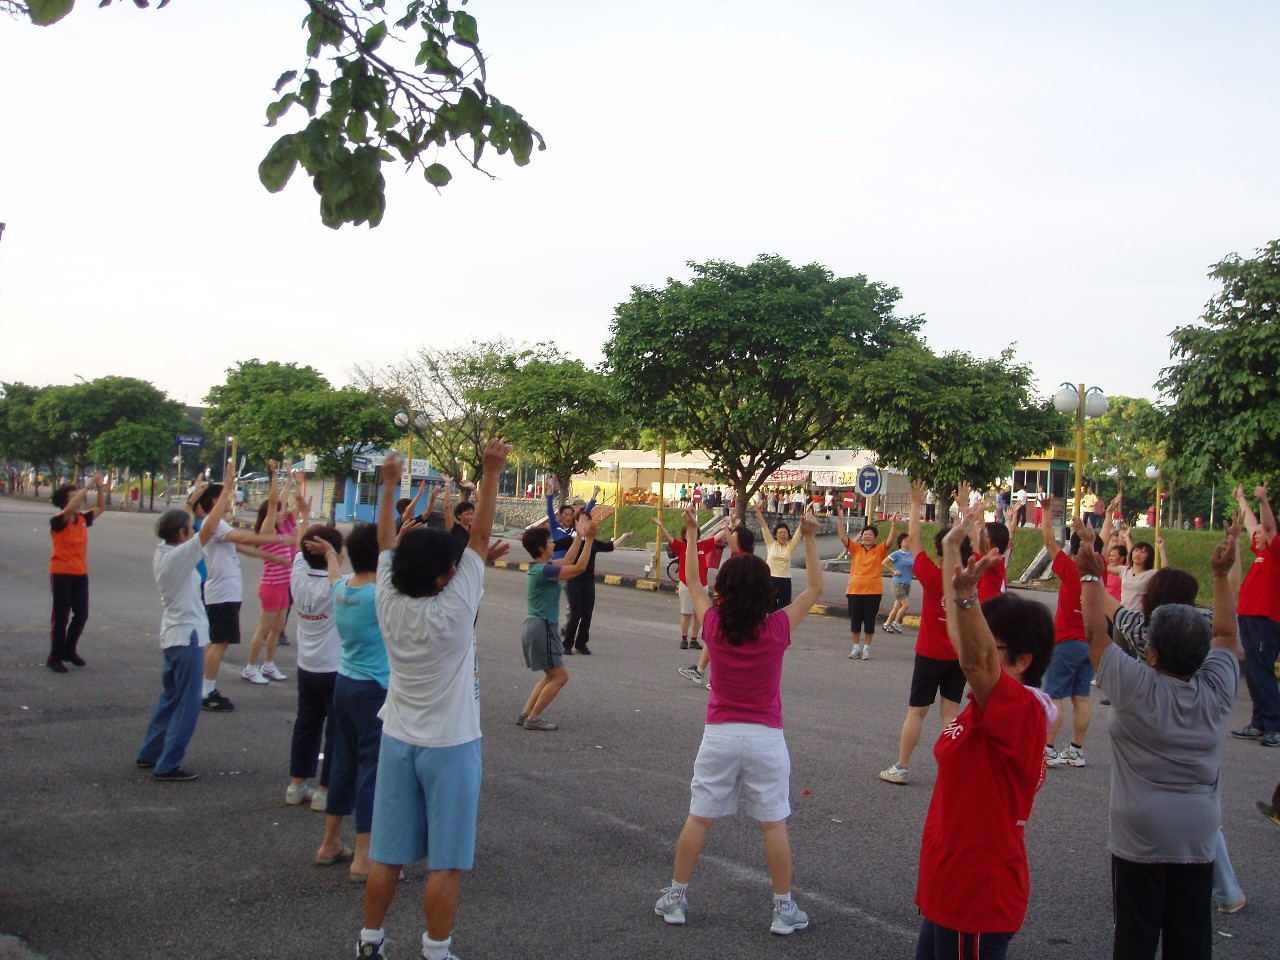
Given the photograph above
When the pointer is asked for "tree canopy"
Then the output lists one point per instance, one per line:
(754, 365)
(1223, 386)
(951, 417)
(369, 103)
(557, 412)
(253, 405)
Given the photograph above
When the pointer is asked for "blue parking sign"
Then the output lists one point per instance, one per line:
(869, 481)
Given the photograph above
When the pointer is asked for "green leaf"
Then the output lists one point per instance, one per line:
(45, 12)
(357, 127)
(374, 36)
(278, 165)
(278, 109)
(286, 77)
(437, 174)
(464, 27)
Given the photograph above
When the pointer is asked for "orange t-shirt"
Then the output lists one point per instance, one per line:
(865, 570)
(70, 543)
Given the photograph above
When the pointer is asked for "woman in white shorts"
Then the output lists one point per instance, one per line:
(743, 755)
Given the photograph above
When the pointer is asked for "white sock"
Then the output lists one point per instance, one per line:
(209, 687)
(678, 890)
(780, 899)
(372, 936)
(435, 949)
(269, 665)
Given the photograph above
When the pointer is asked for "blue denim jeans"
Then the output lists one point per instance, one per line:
(1226, 889)
(174, 719)
(357, 736)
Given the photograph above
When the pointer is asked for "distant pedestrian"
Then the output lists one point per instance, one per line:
(69, 570)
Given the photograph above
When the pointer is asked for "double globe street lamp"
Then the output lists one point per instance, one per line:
(1082, 402)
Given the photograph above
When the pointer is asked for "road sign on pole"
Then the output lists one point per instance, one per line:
(869, 481)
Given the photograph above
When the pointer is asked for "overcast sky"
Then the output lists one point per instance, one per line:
(1058, 176)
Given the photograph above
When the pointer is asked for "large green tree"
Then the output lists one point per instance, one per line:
(951, 417)
(253, 406)
(754, 365)
(556, 412)
(338, 425)
(25, 434)
(1223, 387)
(377, 87)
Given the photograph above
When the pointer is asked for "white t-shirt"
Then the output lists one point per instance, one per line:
(223, 585)
(174, 566)
(433, 699)
(1020, 497)
(1133, 588)
(319, 646)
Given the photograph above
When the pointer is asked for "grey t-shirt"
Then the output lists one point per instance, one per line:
(1167, 737)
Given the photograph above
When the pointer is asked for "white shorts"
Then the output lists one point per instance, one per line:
(742, 760)
(686, 599)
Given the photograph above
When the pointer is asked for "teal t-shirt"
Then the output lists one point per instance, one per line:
(542, 590)
(364, 655)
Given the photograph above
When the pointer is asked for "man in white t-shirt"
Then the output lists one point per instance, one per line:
(428, 788)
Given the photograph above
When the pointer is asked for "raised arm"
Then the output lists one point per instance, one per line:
(1265, 516)
(411, 509)
(1247, 515)
(1046, 524)
(1224, 598)
(392, 470)
(1162, 552)
(273, 496)
(75, 500)
(100, 505)
(765, 532)
(844, 537)
(966, 626)
(692, 564)
(575, 561)
(915, 534)
(219, 510)
(448, 504)
(333, 561)
(1108, 522)
(801, 605)
(494, 460)
(1092, 595)
(666, 537)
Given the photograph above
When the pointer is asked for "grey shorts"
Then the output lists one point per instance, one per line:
(901, 591)
(543, 648)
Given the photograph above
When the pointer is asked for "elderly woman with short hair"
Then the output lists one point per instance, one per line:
(1169, 719)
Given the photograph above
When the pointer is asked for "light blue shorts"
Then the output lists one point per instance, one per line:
(1070, 673)
(425, 804)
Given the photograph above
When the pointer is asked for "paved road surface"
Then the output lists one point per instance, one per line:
(576, 827)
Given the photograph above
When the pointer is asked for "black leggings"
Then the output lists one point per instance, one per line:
(783, 596)
(70, 613)
(581, 592)
(1169, 902)
(315, 718)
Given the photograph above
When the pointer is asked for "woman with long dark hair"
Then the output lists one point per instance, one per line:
(743, 752)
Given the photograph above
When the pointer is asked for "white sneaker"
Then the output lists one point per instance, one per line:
(298, 793)
(854, 653)
(253, 674)
(866, 651)
(320, 801)
(1072, 757)
(787, 917)
(895, 774)
(272, 672)
(671, 906)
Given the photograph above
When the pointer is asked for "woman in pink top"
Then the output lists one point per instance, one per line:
(273, 588)
(743, 752)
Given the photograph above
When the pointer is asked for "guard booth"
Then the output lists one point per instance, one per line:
(1052, 471)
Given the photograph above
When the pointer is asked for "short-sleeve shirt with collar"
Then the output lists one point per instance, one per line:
(174, 567)
(223, 585)
(70, 537)
(1068, 622)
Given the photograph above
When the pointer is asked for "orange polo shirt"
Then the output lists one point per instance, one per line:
(865, 570)
(70, 543)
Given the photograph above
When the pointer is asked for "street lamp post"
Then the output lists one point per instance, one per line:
(1082, 402)
(420, 422)
(1154, 473)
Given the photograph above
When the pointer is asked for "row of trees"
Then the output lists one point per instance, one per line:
(754, 364)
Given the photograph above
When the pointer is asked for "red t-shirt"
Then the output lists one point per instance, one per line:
(932, 640)
(993, 582)
(973, 858)
(749, 676)
(1068, 622)
(708, 556)
(1259, 592)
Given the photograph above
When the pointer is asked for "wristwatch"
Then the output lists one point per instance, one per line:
(966, 603)
(1090, 578)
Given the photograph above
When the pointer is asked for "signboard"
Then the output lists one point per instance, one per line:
(360, 463)
(869, 481)
(850, 499)
(185, 441)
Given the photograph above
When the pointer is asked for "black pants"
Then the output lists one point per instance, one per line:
(581, 592)
(1155, 901)
(315, 717)
(930, 512)
(70, 613)
(782, 597)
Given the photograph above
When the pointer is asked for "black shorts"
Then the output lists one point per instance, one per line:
(929, 677)
(863, 608)
(224, 622)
